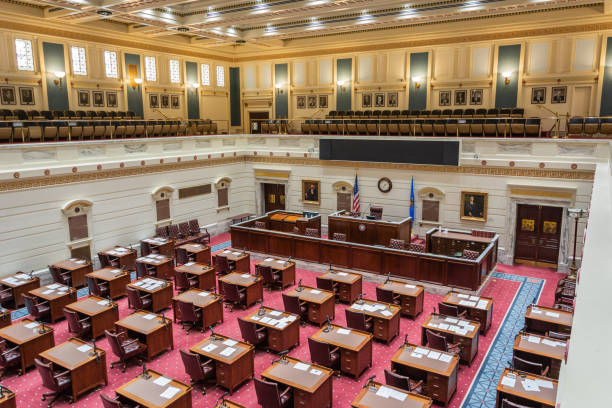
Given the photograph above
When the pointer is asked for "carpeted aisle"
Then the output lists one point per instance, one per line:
(503, 290)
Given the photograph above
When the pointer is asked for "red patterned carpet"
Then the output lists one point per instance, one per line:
(29, 388)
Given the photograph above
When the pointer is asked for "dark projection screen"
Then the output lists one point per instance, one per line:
(391, 151)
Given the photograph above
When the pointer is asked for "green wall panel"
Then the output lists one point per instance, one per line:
(281, 100)
(344, 72)
(606, 91)
(419, 67)
(193, 101)
(235, 114)
(508, 60)
(57, 97)
(134, 95)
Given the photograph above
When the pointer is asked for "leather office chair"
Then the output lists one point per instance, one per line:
(162, 232)
(191, 316)
(387, 296)
(233, 295)
(143, 270)
(58, 383)
(9, 357)
(328, 284)
(294, 305)
(6, 295)
(450, 310)
(403, 382)
(97, 288)
(397, 243)
(509, 404)
(268, 395)
(106, 261)
(138, 301)
(311, 232)
(198, 371)
(529, 366)
(184, 231)
(339, 236)
(223, 266)
(415, 247)
(271, 278)
(124, 348)
(251, 334)
(182, 257)
(38, 310)
(60, 277)
(260, 225)
(558, 336)
(376, 211)
(108, 402)
(196, 231)
(184, 282)
(322, 353)
(439, 342)
(175, 234)
(76, 326)
(358, 321)
(469, 254)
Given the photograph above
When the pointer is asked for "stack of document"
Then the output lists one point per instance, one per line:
(386, 392)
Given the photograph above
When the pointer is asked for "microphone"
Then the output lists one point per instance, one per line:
(222, 399)
(261, 310)
(288, 261)
(31, 274)
(42, 330)
(434, 310)
(283, 357)
(388, 278)
(144, 374)
(163, 316)
(360, 300)
(331, 270)
(300, 288)
(406, 339)
(213, 336)
(95, 350)
(369, 381)
(328, 327)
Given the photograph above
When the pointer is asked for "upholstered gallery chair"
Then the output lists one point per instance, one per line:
(376, 211)
(234, 296)
(96, 287)
(529, 366)
(294, 305)
(138, 301)
(251, 334)
(358, 321)
(184, 281)
(397, 243)
(416, 247)
(450, 310)
(469, 254)
(60, 277)
(38, 310)
(311, 232)
(260, 224)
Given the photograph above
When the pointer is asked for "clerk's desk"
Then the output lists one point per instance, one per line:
(150, 329)
(478, 308)
(320, 303)
(467, 338)
(311, 383)
(8, 398)
(368, 232)
(286, 269)
(283, 328)
(58, 296)
(544, 397)
(540, 319)
(411, 296)
(147, 393)
(355, 347)
(20, 283)
(541, 349)
(87, 369)
(115, 278)
(386, 320)
(205, 274)
(26, 334)
(209, 303)
(349, 284)
(377, 395)
(287, 221)
(101, 312)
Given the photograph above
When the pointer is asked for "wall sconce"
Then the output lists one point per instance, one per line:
(341, 85)
(417, 81)
(279, 89)
(507, 76)
(195, 85)
(134, 82)
(60, 75)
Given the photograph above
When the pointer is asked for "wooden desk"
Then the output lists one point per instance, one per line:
(154, 332)
(355, 348)
(232, 369)
(540, 319)
(163, 265)
(241, 217)
(147, 393)
(58, 296)
(452, 243)
(5, 317)
(541, 349)
(385, 318)
(311, 383)
(87, 370)
(545, 397)
(349, 284)
(199, 251)
(439, 376)
(117, 280)
(25, 334)
(240, 258)
(283, 328)
(159, 289)
(285, 268)
(161, 245)
(102, 314)
(287, 221)
(321, 303)
(20, 283)
(377, 395)
(211, 305)
(78, 268)
(478, 308)
(125, 256)
(8, 399)
(411, 296)
(252, 283)
(368, 232)
(466, 338)
(205, 274)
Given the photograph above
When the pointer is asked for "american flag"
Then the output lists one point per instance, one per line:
(356, 204)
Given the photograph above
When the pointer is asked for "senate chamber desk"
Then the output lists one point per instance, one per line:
(102, 313)
(411, 296)
(234, 360)
(320, 303)
(355, 347)
(283, 328)
(368, 232)
(209, 303)
(31, 339)
(377, 395)
(78, 268)
(125, 257)
(241, 259)
(541, 349)
(349, 284)
(253, 285)
(116, 279)
(58, 296)
(5, 317)
(155, 392)
(153, 330)
(199, 252)
(439, 374)
(541, 319)
(163, 266)
(20, 283)
(204, 273)
(160, 291)
(87, 368)
(477, 308)
(511, 386)
(160, 245)
(8, 399)
(311, 383)
(457, 330)
(385, 318)
(286, 269)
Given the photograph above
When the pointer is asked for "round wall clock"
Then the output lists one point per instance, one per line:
(385, 185)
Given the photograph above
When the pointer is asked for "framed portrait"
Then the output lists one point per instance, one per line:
(175, 102)
(558, 94)
(366, 100)
(83, 97)
(8, 95)
(311, 191)
(165, 101)
(153, 101)
(322, 101)
(460, 97)
(444, 98)
(379, 100)
(538, 96)
(98, 98)
(474, 206)
(301, 101)
(111, 99)
(26, 95)
(312, 101)
(475, 96)
(392, 99)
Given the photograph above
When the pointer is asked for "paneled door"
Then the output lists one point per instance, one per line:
(538, 235)
(274, 197)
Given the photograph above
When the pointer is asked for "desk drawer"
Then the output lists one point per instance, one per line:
(437, 385)
(301, 398)
(223, 374)
(314, 312)
(348, 361)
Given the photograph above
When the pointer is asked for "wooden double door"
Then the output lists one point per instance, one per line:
(274, 197)
(538, 235)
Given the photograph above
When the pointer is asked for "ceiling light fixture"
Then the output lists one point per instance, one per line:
(104, 13)
(183, 29)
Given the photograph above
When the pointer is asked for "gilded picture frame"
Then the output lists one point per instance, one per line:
(474, 206)
(311, 192)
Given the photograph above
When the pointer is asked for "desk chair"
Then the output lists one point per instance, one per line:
(469, 254)
(507, 404)
(223, 266)
(196, 231)
(251, 334)
(185, 232)
(529, 366)
(339, 236)
(234, 296)
(403, 382)
(397, 243)
(182, 257)
(358, 321)
(138, 301)
(35, 309)
(558, 336)
(198, 371)
(124, 348)
(162, 232)
(190, 315)
(58, 383)
(260, 225)
(415, 247)
(387, 296)
(270, 277)
(439, 342)
(108, 402)
(106, 261)
(76, 326)
(143, 270)
(376, 211)
(294, 305)
(60, 277)
(328, 284)
(184, 282)
(311, 232)
(97, 288)
(268, 395)
(6, 295)
(9, 357)
(322, 353)
(450, 310)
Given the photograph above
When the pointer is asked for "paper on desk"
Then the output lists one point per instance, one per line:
(149, 316)
(379, 306)
(138, 283)
(443, 326)
(268, 259)
(474, 298)
(462, 296)
(400, 396)
(12, 281)
(162, 380)
(445, 358)
(31, 325)
(314, 291)
(316, 372)
(246, 275)
(53, 286)
(226, 251)
(544, 383)
(272, 322)
(386, 313)
(508, 382)
(342, 273)
(236, 253)
(80, 262)
(276, 313)
(210, 347)
(533, 339)
(103, 302)
(409, 286)
(230, 342)
(416, 355)
(530, 385)
(421, 350)
(461, 332)
(280, 262)
(301, 366)
(228, 351)
(552, 314)
(204, 293)
(116, 271)
(281, 325)
(383, 392)
(482, 304)
(356, 306)
(189, 263)
(467, 303)
(469, 327)
(256, 318)
(343, 331)
(170, 392)
(451, 320)
(46, 292)
(265, 319)
(463, 323)
(369, 308)
(536, 311)
(22, 276)
(291, 318)
(433, 355)
(433, 324)
(84, 348)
